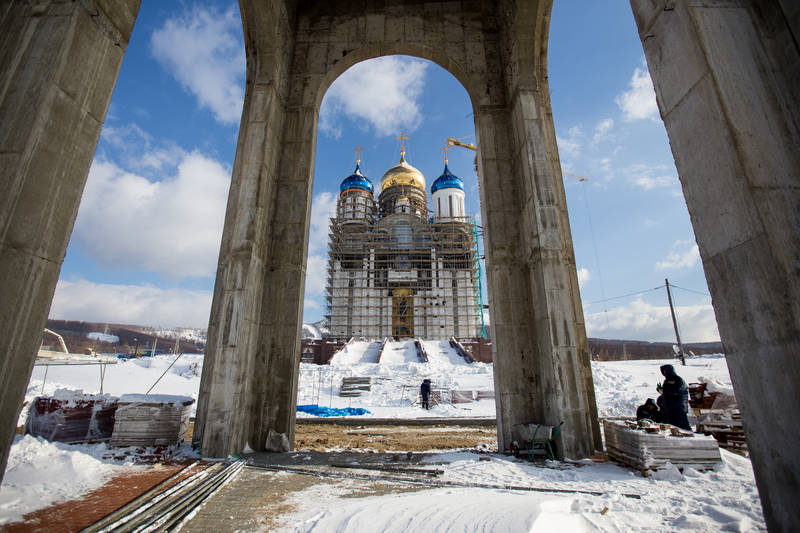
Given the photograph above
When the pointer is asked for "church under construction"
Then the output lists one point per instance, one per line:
(396, 271)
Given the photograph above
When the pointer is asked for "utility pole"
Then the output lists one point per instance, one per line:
(675, 324)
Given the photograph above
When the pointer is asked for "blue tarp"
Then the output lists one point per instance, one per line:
(316, 410)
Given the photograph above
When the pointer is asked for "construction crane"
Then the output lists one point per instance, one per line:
(456, 142)
(573, 175)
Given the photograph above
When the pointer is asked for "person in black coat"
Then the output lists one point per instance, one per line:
(425, 392)
(648, 410)
(676, 398)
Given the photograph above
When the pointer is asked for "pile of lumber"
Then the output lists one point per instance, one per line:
(151, 420)
(355, 386)
(651, 448)
(725, 425)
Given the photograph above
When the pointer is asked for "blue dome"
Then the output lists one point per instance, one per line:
(447, 180)
(356, 180)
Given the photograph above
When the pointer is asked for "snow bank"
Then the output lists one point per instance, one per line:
(40, 473)
(104, 337)
(355, 353)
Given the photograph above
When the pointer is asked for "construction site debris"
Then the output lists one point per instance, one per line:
(72, 417)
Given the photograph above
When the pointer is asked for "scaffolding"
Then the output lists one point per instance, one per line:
(403, 276)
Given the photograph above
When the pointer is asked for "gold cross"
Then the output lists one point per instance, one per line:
(358, 151)
(403, 140)
(444, 149)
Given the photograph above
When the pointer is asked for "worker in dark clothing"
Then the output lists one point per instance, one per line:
(676, 398)
(662, 409)
(649, 411)
(425, 392)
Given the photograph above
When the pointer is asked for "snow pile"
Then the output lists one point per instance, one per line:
(310, 332)
(315, 330)
(356, 352)
(40, 473)
(103, 337)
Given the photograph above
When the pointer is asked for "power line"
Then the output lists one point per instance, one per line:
(690, 290)
(626, 295)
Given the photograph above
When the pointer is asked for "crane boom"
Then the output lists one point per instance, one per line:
(456, 142)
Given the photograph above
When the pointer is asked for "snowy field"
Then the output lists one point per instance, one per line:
(724, 499)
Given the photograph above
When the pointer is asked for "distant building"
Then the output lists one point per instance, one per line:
(393, 270)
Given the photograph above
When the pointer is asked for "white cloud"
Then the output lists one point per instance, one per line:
(602, 131)
(639, 101)
(641, 321)
(584, 276)
(323, 207)
(686, 258)
(570, 146)
(382, 93)
(130, 304)
(204, 51)
(649, 177)
(172, 226)
(138, 150)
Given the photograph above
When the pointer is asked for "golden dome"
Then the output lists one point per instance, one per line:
(403, 174)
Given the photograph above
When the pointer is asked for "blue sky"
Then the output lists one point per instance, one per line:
(146, 240)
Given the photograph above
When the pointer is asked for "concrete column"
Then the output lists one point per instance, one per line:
(541, 362)
(541, 354)
(249, 380)
(276, 368)
(58, 66)
(727, 79)
(223, 411)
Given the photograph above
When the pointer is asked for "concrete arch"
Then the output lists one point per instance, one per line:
(368, 52)
(542, 363)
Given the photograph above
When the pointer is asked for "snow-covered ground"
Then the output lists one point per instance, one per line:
(724, 499)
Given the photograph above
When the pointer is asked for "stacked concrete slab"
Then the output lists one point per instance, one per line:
(151, 420)
(646, 450)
